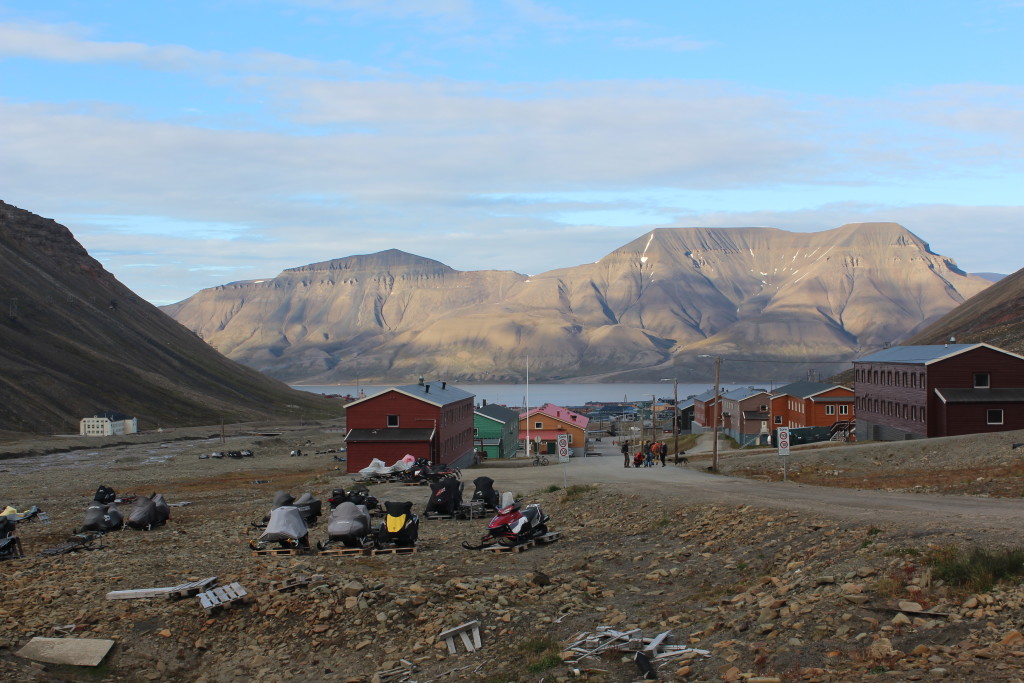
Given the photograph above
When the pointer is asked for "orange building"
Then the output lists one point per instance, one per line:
(543, 425)
(813, 404)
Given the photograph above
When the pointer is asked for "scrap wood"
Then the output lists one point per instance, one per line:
(916, 613)
(182, 590)
(398, 674)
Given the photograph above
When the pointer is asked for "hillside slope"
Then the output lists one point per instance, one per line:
(74, 341)
(643, 312)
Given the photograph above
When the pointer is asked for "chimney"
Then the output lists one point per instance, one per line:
(444, 385)
(426, 388)
(421, 380)
(485, 401)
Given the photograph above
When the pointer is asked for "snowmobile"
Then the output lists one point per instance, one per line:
(484, 492)
(10, 544)
(285, 527)
(148, 512)
(400, 527)
(309, 507)
(513, 525)
(23, 516)
(350, 525)
(101, 517)
(361, 496)
(445, 498)
(104, 495)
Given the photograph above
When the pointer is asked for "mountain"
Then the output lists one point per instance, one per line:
(995, 316)
(75, 341)
(772, 303)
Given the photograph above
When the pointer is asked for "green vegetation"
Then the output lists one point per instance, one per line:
(577, 491)
(976, 569)
(542, 654)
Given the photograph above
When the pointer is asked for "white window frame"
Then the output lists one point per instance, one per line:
(392, 423)
(538, 425)
(987, 379)
(844, 409)
(830, 409)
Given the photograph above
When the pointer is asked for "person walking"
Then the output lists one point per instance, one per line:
(662, 452)
(625, 454)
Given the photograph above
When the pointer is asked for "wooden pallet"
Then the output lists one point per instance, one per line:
(345, 552)
(184, 590)
(288, 584)
(510, 548)
(222, 596)
(282, 551)
(464, 631)
(549, 537)
(405, 550)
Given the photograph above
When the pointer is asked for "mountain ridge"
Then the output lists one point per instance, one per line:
(645, 309)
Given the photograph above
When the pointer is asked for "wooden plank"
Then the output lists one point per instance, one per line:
(345, 552)
(466, 641)
(458, 629)
(656, 642)
(73, 651)
(510, 548)
(281, 551)
(549, 537)
(404, 550)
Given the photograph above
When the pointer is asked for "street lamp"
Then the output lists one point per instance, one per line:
(675, 414)
(718, 412)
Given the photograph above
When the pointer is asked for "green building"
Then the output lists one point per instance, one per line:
(496, 431)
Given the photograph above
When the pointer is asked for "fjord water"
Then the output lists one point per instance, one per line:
(559, 394)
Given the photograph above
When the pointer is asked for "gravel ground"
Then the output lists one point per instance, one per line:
(774, 581)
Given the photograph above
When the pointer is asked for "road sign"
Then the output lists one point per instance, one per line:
(783, 441)
(563, 448)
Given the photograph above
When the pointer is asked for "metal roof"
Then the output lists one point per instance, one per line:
(498, 413)
(805, 389)
(920, 355)
(741, 393)
(435, 393)
(1009, 395)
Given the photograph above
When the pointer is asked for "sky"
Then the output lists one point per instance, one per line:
(189, 144)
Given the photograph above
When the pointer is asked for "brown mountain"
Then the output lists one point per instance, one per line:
(995, 316)
(772, 303)
(75, 341)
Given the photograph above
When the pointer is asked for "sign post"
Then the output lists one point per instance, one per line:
(783, 436)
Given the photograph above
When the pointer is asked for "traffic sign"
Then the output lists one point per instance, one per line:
(783, 433)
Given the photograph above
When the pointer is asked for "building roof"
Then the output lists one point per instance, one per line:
(806, 389)
(741, 393)
(708, 395)
(1008, 395)
(498, 413)
(755, 415)
(925, 355)
(435, 393)
(561, 414)
(545, 434)
(831, 399)
(685, 405)
(112, 415)
(390, 434)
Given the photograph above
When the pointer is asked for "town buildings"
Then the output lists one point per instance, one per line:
(814, 404)
(913, 392)
(745, 415)
(543, 426)
(496, 431)
(427, 420)
(108, 423)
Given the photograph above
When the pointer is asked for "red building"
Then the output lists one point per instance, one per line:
(543, 426)
(426, 420)
(913, 392)
(814, 404)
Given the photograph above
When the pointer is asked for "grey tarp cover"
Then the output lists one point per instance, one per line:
(148, 512)
(309, 506)
(285, 524)
(100, 517)
(282, 498)
(348, 520)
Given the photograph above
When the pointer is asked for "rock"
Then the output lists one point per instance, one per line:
(908, 606)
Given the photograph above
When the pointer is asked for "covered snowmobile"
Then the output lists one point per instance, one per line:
(10, 544)
(148, 512)
(309, 507)
(104, 494)
(484, 492)
(400, 527)
(350, 525)
(445, 498)
(285, 527)
(101, 517)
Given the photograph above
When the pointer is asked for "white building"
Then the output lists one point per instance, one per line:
(108, 424)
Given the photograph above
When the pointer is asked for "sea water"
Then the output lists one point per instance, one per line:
(515, 395)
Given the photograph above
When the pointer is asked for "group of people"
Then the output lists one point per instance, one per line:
(648, 453)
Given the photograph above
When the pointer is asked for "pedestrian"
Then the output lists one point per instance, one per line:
(647, 454)
(625, 454)
(662, 452)
(638, 459)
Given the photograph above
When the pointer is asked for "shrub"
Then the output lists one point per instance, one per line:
(976, 569)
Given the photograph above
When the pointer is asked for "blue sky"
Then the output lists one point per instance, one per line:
(189, 144)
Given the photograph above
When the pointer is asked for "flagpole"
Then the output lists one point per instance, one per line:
(526, 408)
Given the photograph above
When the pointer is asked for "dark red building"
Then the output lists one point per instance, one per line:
(913, 392)
(427, 420)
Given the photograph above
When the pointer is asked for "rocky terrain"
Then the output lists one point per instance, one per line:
(766, 592)
(813, 300)
(74, 341)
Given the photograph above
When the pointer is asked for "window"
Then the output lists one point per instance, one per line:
(844, 410)
(763, 408)
(982, 381)
(476, 432)
(392, 420)
(778, 419)
(830, 410)
(538, 425)
(994, 416)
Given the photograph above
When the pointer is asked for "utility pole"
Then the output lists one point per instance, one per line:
(675, 415)
(718, 415)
